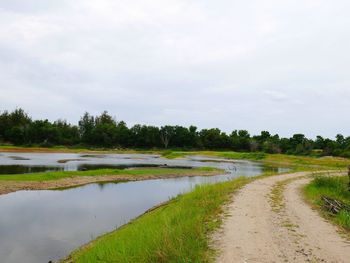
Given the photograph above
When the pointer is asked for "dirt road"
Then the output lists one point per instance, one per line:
(270, 222)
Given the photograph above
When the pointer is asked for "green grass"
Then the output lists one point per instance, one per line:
(303, 162)
(243, 155)
(175, 232)
(334, 187)
(308, 161)
(224, 154)
(178, 230)
(139, 172)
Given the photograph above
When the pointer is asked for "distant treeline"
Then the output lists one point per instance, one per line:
(104, 131)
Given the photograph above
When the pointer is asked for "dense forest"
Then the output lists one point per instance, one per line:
(18, 128)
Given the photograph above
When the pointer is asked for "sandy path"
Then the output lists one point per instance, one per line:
(269, 222)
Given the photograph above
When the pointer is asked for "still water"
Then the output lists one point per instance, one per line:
(39, 226)
(14, 163)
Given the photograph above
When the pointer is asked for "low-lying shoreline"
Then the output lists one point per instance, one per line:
(175, 231)
(21, 149)
(178, 229)
(8, 186)
(318, 163)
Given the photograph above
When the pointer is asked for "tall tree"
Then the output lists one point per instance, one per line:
(166, 132)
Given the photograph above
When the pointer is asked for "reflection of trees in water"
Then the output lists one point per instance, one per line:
(101, 186)
(22, 169)
(274, 169)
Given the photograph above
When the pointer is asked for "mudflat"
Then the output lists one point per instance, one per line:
(13, 186)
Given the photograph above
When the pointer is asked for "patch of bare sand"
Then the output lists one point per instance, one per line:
(13, 186)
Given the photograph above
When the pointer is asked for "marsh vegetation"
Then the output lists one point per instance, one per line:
(335, 188)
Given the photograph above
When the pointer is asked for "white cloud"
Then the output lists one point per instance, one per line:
(254, 64)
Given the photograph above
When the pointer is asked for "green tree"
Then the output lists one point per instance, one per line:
(86, 128)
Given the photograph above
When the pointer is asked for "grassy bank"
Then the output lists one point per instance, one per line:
(221, 154)
(175, 232)
(334, 187)
(138, 173)
(303, 162)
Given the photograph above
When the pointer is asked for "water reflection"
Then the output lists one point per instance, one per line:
(22, 169)
(38, 226)
(41, 162)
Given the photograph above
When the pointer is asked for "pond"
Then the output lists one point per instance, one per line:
(39, 226)
(15, 163)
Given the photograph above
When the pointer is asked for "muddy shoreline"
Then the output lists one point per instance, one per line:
(7, 187)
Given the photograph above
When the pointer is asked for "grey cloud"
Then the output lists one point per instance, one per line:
(255, 65)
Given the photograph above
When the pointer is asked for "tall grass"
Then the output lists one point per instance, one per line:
(334, 187)
(308, 161)
(175, 232)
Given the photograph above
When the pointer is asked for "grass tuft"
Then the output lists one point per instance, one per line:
(334, 187)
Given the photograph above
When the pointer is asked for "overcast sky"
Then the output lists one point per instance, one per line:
(258, 65)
